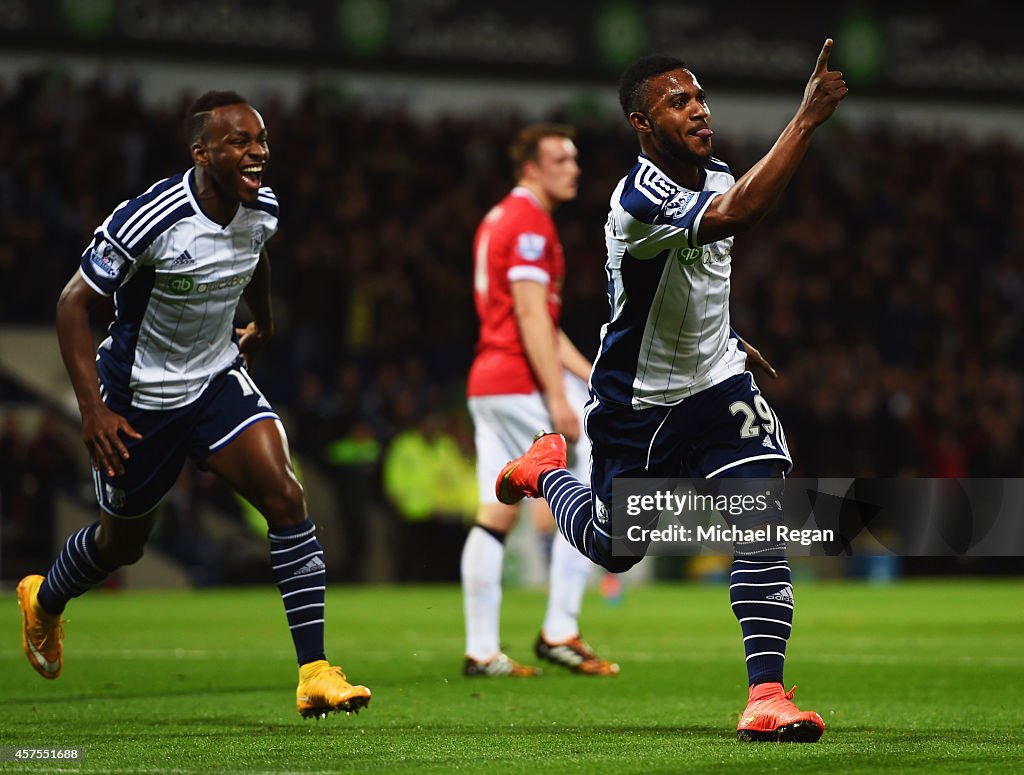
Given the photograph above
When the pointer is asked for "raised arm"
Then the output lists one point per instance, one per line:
(749, 199)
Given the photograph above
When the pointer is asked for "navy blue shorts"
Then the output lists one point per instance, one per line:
(229, 405)
(705, 436)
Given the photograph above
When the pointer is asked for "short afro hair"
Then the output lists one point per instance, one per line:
(633, 81)
(199, 111)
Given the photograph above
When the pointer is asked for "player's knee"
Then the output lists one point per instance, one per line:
(284, 505)
(497, 518)
(618, 564)
(122, 543)
(293, 497)
(603, 553)
(132, 555)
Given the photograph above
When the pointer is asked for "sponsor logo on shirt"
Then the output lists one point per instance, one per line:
(531, 246)
(183, 284)
(185, 259)
(690, 256)
(227, 282)
(179, 284)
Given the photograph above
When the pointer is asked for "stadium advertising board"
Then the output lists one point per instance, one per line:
(921, 49)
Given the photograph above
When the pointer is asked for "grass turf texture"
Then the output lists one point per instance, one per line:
(916, 676)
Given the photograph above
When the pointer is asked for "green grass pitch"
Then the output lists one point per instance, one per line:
(923, 676)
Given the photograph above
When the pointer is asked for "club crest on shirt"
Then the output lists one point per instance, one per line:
(531, 246)
(258, 238)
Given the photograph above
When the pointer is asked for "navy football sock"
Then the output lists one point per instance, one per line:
(297, 561)
(572, 508)
(76, 570)
(570, 504)
(761, 592)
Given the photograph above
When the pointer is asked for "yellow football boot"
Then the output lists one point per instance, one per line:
(41, 633)
(323, 689)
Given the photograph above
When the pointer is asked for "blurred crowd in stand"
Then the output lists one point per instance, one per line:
(887, 286)
(36, 467)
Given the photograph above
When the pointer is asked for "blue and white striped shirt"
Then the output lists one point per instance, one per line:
(669, 334)
(176, 277)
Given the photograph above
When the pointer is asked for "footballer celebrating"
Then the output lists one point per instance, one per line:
(170, 382)
(672, 394)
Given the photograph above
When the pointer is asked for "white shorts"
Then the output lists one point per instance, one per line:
(504, 427)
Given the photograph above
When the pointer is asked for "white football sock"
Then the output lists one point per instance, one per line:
(482, 556)
(566, 585)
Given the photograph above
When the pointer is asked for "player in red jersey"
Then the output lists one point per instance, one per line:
(527, 375)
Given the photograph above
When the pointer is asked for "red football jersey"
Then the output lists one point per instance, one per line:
(515, 241)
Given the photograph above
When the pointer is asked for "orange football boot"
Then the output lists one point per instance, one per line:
(520, 478)
(41, 632)
(576, 655)
(500, 666)
(770, 715)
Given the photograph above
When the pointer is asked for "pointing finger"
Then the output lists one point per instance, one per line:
(821, 66)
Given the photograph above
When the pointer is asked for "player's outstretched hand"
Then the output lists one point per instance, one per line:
(101, 431)
(825, 89)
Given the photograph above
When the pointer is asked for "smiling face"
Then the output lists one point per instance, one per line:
(676, 122)
(234, 151)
